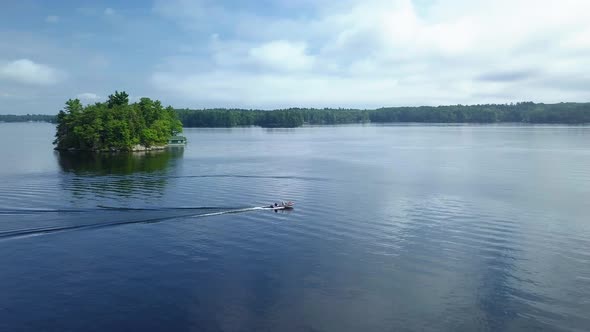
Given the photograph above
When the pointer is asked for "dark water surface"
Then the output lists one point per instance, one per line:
(456, 228)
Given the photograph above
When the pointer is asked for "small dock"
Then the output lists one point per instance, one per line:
(177, 141)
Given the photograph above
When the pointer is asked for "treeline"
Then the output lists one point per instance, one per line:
(286, 118)
(27, 118)
(527, 112)
(238, 117)
(115, 125)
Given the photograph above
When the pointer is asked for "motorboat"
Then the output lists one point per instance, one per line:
(282, 206)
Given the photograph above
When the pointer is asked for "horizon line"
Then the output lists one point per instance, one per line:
(337, 108)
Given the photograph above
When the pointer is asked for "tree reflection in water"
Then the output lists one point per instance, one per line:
(110, 176)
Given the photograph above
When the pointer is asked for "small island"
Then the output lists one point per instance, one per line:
(116, 125)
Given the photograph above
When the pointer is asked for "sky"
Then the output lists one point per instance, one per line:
(293, 53)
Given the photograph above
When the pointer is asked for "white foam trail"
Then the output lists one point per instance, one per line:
(41, 231)
(230, 211)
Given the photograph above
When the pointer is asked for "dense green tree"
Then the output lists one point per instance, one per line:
(115, 124)
(118, 99)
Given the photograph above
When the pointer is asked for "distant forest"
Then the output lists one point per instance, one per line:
(27, 118)
(526, 112)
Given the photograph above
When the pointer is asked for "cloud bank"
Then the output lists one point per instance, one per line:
(279, 53)
(26, 71)
(376, 53)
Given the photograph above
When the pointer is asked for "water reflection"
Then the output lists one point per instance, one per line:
(88, 163)
(111, 176)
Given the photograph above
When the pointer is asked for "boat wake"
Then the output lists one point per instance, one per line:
(62, 220)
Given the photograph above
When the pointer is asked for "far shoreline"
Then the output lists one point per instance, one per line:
(370, 124)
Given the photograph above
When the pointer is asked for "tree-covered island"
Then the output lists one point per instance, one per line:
(115, 125)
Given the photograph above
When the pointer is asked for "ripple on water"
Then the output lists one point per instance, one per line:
(395, 227)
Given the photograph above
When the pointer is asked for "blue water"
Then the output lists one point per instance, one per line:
(402, 227)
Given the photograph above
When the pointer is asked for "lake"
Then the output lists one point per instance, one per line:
(396, 227)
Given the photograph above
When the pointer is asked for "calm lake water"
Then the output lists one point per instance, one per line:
(402, 227)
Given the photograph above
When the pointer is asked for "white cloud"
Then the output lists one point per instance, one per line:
(385, 52)
(282, 55)
(109, 11)
(6, 95)
(29, 72)
(275, 55)
(88, 96)
(52, 19)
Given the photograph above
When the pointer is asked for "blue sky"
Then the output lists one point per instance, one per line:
(282, 53)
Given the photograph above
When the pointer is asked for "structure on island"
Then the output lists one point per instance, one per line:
(177, 141)
(116, 125)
